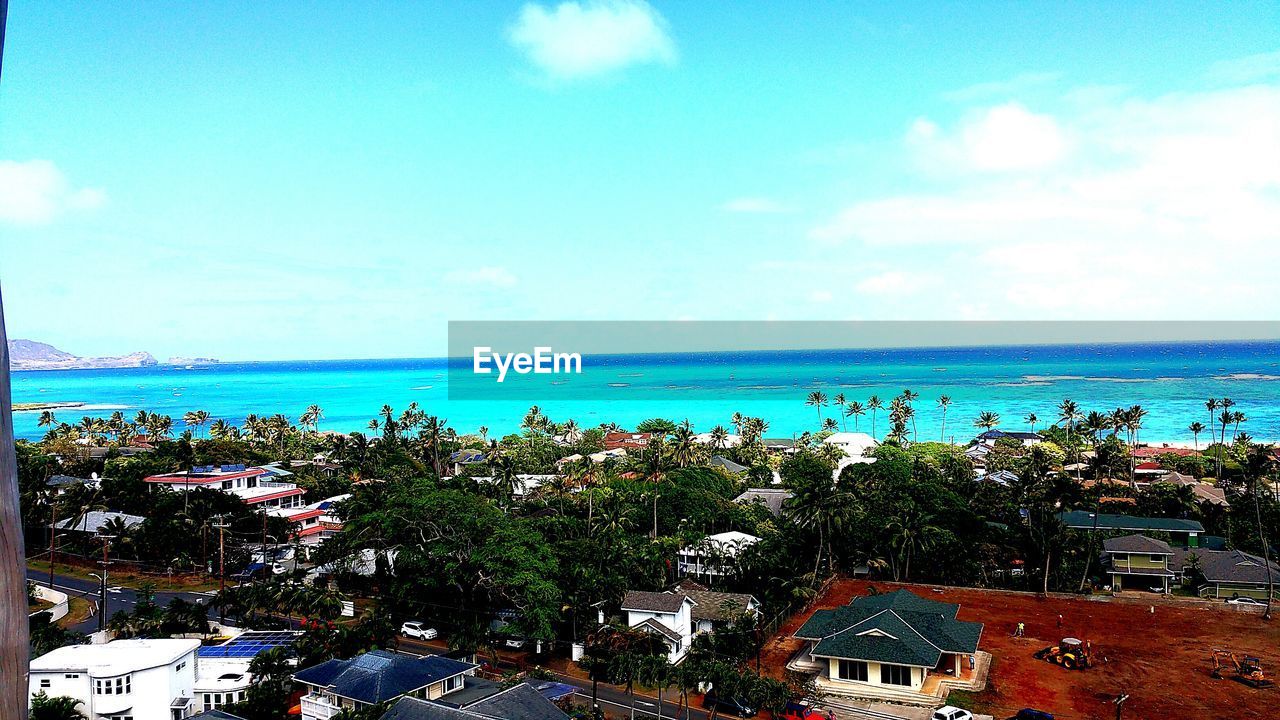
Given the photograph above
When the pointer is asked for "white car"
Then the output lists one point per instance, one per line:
(1244, 601)
(514, 643)
(415, 629)
(951, 712)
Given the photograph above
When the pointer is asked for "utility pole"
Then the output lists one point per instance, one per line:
(1120, 701)
(106, 560)
(266, 569)
(222, 547)
(53, 540)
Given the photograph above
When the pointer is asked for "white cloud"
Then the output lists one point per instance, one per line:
(1252, 68)
(886, 283)
(1003, 138)
(821, 296)
(1145, 207)
(581, 39)
(759, 205)
(36, 191)
(490, 275)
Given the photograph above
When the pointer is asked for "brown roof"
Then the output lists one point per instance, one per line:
(659, 602)
(627, 441)
(655, 626)
(1137, 544)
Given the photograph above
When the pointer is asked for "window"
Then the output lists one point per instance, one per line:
(453, 683)
(853, 670)
(45, 682)
(72, 676)
(1157, 558)
(113, 686)
(181, 665)
(895, 675)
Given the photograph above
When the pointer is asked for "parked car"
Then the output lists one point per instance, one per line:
(951, 712)
(514, 643)
(417, 629)
(1241, 600)
(729, 706)
(1032, 714)
(798, 711)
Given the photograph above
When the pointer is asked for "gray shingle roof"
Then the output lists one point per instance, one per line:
(898, 627)
(519, 702)
(712, 605)
(727, 464)
(1136, 544)
(772, 499)
(93, 521)
(1227, 566)
(659, 602)
(379, 675)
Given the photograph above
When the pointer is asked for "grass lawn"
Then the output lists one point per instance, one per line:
(125, 578)
(78, 610)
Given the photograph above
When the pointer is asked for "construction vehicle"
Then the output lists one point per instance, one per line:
(1071, 653)
(1245, 669)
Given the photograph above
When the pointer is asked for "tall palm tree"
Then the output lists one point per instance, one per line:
(944, 402)
(1260, 462)
(817, 399)
(1225, 417)
(856, 410)
(909, 397)
(1031, 420)
(1196, 428)
(839, 401)
(46, 419)
(874, 403)
(911, 530)
(719, 437)
(987, 420)
(684, 450)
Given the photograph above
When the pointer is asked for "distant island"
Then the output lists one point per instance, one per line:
(32, 355)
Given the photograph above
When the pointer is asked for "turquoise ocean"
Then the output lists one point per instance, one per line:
(1171, 380)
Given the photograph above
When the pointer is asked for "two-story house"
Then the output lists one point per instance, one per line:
(668, 615)
(376, 677)
(1139, 561)
(122, 680)
(714, 555)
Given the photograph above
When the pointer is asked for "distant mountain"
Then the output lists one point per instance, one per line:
(32, 355)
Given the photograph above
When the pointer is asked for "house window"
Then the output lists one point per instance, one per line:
(45, 682)
(1157, 558)
(72, 676)
(895, 675)
(180, 666)
(113, 686)
(853, 670)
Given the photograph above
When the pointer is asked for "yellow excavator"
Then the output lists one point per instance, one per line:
(1071, 653)
(1245, 669)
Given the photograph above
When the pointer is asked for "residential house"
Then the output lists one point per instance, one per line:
(713, 610)
(519, 702)
(1002, 477)
(138, 679)
(991, 436)
(854, 445)
(222, 671)
(1227, 573)
(93, 521)
(1188, 532)
(889, 646)
(667, 615)
(1204, 492)
(772, 498)
(628, 441)
(729, 440)
(728, 465)
(377, 677)
(1139, 562)
(714, 555)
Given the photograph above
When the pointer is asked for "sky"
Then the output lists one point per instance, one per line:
(329, 180)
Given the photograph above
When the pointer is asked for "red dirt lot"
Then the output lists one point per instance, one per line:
(1161, 660)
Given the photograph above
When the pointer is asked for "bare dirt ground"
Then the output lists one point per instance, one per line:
(1161, 659)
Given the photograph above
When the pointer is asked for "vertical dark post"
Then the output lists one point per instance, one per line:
(13, 580)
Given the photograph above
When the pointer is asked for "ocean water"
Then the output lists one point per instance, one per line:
(1171, 380)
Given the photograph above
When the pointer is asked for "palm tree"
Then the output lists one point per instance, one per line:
(987, 420)
(817, 399)
(1226, 417)
(874, 403)
(1260, 461)
(1031, 420)
(911, 530)
(61, 707)
(823, 507)
(908, 397)
(1196, 428)
(1237, 417)
(684, 450)
(856, 410)
(944, 402)
(839, 401)
(532, 423)
(719, 437)
(46, 419)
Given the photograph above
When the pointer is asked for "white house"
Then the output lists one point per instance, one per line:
(669, 615)
(714, 554)
(122, 680)
(854, 444)
(222, 671)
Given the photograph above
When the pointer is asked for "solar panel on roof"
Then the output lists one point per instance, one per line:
(249, 644)
(372, 663)
(234, 467)
(202, 469)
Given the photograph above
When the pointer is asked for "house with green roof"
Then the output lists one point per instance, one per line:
(888, 645)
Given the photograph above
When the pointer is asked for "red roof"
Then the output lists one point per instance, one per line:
(305, 515)
(627, 441)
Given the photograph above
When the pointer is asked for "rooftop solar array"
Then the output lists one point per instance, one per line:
(251, 643)
(237, 467)
(202, 469)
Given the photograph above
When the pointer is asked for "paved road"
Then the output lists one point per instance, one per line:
(118, 598)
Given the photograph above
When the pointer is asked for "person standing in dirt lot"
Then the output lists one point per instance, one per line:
(1021, 630)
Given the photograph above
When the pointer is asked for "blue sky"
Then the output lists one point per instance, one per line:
(313, 181)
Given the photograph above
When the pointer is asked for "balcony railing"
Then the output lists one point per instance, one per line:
(314, 706)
